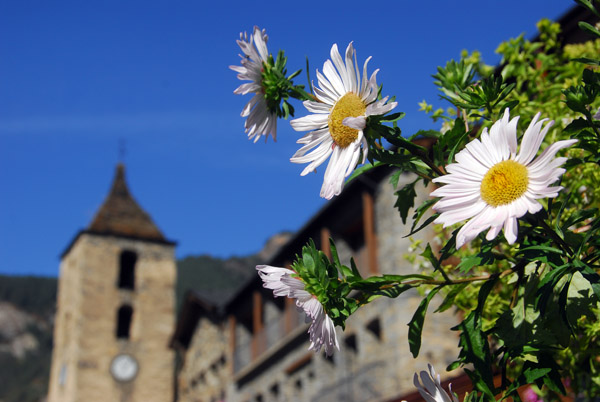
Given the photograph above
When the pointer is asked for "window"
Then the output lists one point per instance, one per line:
(351, 343)
(274, 390)
(124, 321)
(127, 270)
(375, 327)
(62, 377)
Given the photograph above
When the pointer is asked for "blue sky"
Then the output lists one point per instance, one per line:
(77, 77)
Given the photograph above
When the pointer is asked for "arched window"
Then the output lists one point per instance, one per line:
(124, 321)
(127, 270)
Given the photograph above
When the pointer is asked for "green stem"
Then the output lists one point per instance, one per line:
(452, 281)
(588, 116)
(297, 92)
(430, 163)
(555, 236)
(444, 274)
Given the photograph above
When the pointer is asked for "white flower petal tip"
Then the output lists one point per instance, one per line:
(259, 120)
(597, 115)
(344, 101)
(322, 329)
(492, 185)
(431, 388)
(271, 277)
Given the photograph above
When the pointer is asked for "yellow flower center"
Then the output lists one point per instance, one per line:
(504, 183)
(349, 105)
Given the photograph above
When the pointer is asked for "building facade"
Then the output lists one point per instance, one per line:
(115, 309)
(254, 347)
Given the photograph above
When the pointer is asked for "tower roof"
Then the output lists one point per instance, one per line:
(121, 215)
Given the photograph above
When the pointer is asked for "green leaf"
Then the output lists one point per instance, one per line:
(469, 262)
(395, 177)
(308, 262)
(426, 134)
(595, 226)
(547, 284)
(457, 139)
(449, 299)
(589, 5)
(363, 169)
(425, 224)
(475, 351)
(587, 60)
(390, 292)
(428, 253)
(394, 278)
(393, 117)
(552, 379)
(415, 326)
(589, 28)
(532, 374)
(405, 199)
(580, 299)
(593, 279)
(542, 253)
(419, 212)
(449, 142)
(334, 253)
(484, 292)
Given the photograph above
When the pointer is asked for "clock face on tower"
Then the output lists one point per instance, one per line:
(124, 367)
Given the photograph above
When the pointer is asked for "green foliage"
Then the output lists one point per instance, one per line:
(405, 199)
(530, 308)
(540, 295)
(415, 326)
(278, 88)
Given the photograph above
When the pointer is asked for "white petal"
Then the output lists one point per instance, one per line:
(511, 230)
(357, 123)
(334, 78)
(310, 122)
(533, 137)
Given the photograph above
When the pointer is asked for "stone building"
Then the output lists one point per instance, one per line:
(115, 309)
(253, 347)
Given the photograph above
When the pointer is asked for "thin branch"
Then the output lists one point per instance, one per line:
(555, 236)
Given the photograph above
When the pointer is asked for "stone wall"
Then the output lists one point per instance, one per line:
(207, 364)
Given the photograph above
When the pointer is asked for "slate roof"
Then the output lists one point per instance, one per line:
(121, 215)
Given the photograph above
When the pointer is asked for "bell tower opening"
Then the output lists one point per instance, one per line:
(124, 321)
(127, 270)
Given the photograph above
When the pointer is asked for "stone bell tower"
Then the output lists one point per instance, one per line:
(115, 310)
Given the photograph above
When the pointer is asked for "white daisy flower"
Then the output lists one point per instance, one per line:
(340, 114)
(493, 185)
(322, 329)
(260, 120)
(431, 390)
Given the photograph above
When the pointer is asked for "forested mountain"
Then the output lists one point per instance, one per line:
(27, 307)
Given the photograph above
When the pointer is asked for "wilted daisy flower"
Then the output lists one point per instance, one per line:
(283, 283)
(340, 114)
(431, 390)
(493, 185)
(260, 120)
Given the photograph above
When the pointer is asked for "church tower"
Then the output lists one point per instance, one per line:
(115, 310)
